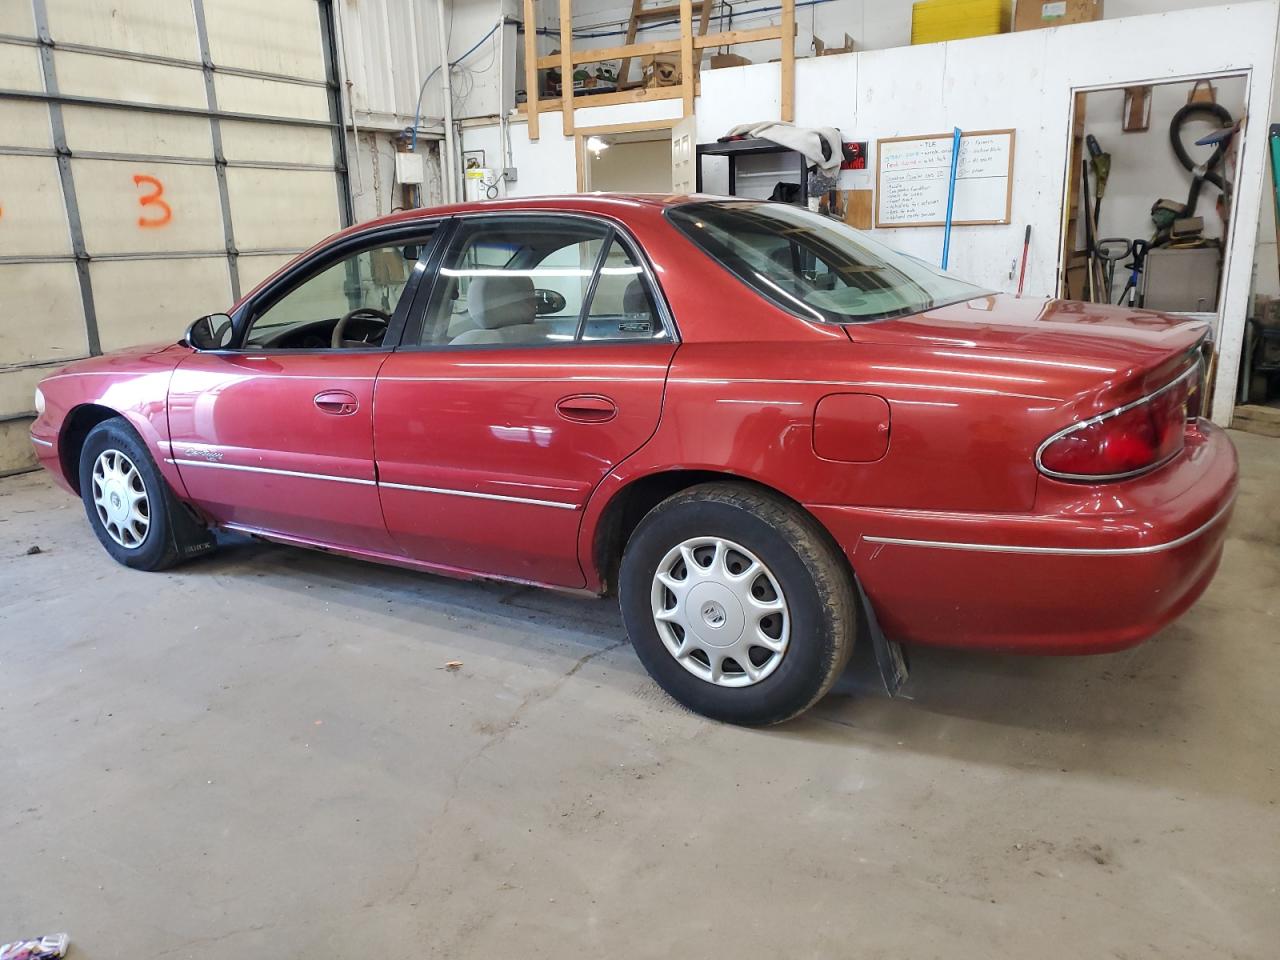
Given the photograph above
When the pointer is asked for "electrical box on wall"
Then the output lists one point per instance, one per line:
(409, 168)
(481, 183)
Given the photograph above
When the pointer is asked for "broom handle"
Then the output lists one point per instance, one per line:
(1022, 271)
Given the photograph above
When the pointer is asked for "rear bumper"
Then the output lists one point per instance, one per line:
(1093, 568)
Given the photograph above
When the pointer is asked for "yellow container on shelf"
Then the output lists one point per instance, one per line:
(933, 21)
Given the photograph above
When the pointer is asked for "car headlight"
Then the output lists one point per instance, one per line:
(39, 402)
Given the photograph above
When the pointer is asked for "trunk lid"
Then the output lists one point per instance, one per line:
(1109, 348)
(998, 321)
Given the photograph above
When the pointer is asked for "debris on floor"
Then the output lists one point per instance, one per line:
(453, 665)
(33, 550)
(45, 948)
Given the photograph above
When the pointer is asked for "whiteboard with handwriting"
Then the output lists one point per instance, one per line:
(912, 175)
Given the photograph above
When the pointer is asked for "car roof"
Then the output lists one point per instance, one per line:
(613, 204)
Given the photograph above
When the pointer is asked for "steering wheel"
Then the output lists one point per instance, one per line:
(362, 313)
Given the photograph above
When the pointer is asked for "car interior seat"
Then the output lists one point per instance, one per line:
(634, 299)
(504, 310)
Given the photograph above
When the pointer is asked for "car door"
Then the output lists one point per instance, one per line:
(536, 364)
(277, 434)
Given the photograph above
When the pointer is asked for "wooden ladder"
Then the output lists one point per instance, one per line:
(639, 12)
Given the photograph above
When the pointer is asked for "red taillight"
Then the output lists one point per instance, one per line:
(1124, 442)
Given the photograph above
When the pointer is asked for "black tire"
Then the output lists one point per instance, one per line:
(804, 561)
(172, 534)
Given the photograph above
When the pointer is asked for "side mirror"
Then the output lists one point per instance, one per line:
(212, 332)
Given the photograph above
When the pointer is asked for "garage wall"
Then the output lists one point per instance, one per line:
(157, 158)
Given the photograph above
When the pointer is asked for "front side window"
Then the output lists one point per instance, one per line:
(813, 266)
(363, 288)
(536, 280)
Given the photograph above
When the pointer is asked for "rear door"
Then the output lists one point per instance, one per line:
(537, 364)
(277, 435)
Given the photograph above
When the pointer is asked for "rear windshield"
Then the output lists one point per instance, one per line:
(813, 266)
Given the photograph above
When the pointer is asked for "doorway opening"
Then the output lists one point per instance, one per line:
(625, 160)
(1151, 176)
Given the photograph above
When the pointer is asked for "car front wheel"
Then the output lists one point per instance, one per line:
(737, 602)
(129, 505)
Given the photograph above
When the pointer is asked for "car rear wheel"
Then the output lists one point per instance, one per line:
(130, 507)
(737, 603)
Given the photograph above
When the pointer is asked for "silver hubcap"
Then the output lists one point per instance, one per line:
(720, 612)
(120, 497)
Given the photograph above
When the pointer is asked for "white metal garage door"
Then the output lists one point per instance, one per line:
(157, 157)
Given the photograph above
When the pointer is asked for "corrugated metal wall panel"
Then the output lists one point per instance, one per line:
(48, 291)
(36, 222)
(20, 68)
(157, 27)
(91, 75)
(128, 206)
(144, 134)
(391, 49)
(281, 209)
(282, 37)
(16, 20)
(126, 318)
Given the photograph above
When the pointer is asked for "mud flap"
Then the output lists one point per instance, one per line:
(189, 535)
(891, 659)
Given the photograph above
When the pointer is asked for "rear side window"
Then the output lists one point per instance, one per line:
(621, 305)
(813, 266)
(522, 281)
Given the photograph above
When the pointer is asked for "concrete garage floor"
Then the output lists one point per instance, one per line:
(262, 754)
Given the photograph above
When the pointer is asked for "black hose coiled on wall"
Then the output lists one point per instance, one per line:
(1211, 111)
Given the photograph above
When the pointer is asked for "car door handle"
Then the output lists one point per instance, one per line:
(339, 403)
(587, 408)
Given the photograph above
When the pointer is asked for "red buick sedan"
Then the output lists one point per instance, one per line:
(765, 430)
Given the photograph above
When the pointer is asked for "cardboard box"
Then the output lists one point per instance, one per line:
(822, 50)
(728, 60)
(660, 72)
(1034, 14)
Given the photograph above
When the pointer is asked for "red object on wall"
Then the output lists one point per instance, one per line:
(855, 155)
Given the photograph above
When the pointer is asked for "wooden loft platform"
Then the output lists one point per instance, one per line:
(634, 95)
(600, 54)
(640, 12)
(685, 45)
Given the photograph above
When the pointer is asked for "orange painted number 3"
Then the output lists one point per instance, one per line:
(163, 213)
